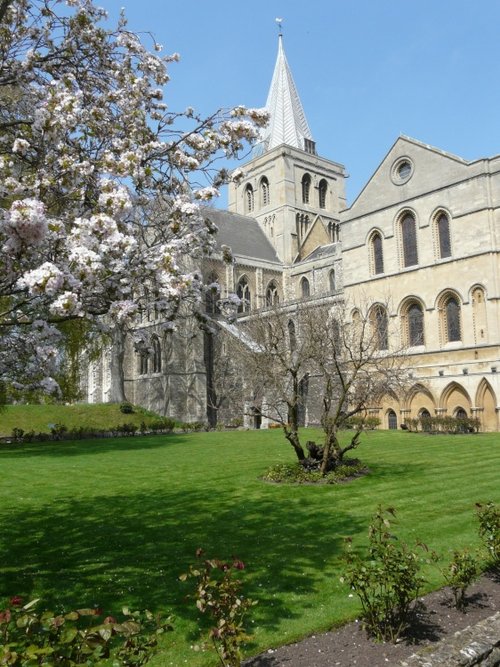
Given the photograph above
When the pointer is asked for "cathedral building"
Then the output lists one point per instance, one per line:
(419, 245)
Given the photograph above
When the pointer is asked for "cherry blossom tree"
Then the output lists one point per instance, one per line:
(100, 183)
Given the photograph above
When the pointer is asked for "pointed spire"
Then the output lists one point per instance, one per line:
(288, 124)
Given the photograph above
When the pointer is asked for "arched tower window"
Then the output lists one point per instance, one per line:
(322, 190)
(306, 188)
(380, 326)
(452, 319)
(415, 317)
(377, 253)
(272, 295)
(264, 192)
(305, 289)
(249, 198)
(243, 293)
(156, 345)
(331, 281)
(443, 234)
(409, 239)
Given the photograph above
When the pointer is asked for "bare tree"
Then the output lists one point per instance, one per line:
(340, 355)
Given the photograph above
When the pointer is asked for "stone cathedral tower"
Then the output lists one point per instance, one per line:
(295, 195)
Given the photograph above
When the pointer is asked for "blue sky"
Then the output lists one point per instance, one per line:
(366, 70)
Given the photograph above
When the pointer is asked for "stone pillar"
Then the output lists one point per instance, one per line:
(247, 417)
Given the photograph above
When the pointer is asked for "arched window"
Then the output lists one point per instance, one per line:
(156, 345)
(409, 239)
(291, 335)
(243, 293)
(415, 317)
(392, 420)
(272, 296)
(443, 232)
(322, 190)
(460, 413)
(331, 280)
(143, 362)
(305, 289)
(452, 319)
(249, 197)
(306, 188)
(264, 192)
(377, 253)
(380, 324)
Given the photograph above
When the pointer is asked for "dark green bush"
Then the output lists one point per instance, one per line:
(460, 574)
(126, 407)
(489, 529)
(295, 473)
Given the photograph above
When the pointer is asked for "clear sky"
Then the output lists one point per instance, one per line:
(366, 70)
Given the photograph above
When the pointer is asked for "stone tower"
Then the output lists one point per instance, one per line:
(295, 195)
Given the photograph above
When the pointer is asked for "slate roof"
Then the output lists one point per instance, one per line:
(242, 234)
(322, 251)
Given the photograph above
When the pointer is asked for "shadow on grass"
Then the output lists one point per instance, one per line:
(61, 448)
(107, 551)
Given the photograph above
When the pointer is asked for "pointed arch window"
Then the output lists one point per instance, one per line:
(322, 190)
(331, 281)
(264, 192)
(409, 239)
(452, 319)
(306, 188)
(249, 198)
(156, 345)
(415, 317)
(305, 289)
(243, 293)
(380, 324)
(143, 362)
(272, 295)
(443, 233)
(392, 420)
(377, 253)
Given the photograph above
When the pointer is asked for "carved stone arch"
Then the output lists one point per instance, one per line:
(454, 396)
(407, 236)
(441, 232)
(486, 402)
(418, 398)
(449, 304)
(375, 244)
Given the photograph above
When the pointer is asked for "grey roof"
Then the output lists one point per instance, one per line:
(287, 124)
(322, 251)
(242, 234)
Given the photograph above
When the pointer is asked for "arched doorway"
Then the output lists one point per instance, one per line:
(392, 420)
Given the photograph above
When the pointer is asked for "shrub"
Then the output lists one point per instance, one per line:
(31, 637)
(460, 574)
(295, 473)
(489, 528)
(218, 593)
(386, 581)
(126, 407)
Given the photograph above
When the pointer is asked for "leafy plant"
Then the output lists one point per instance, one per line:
(295, 473)
(489, 528)
(460, 574)
(31, 637)
(218, 593)
(386, 580)
(126, 407)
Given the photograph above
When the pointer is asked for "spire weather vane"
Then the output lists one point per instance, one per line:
(279, 21)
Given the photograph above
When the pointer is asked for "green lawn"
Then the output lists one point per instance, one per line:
(38, 417)
(111, 521)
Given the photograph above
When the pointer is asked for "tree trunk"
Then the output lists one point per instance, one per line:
(293, 439)
(117, 388)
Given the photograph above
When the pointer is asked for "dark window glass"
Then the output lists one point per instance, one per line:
(249, 197)
(292, 336)
(306, 188)
(264, 187)
(452, 309)
(323, 186)
(272, 296)
(392, 419)
(304, 287)
(409, 234)
(415, 325)
(332, 281)
(156, 355)
(443, 225)
(243, 293)
(378, 254)
(381, 328)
